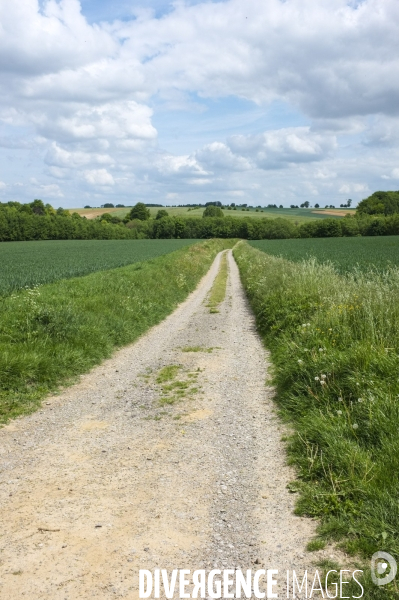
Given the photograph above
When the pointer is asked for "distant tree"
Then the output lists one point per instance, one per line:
(213, 211)
(87, 206)
(233, 204)
(317, 205)
(380, 203)
(62, 212)
(120, 206)
(139, 211)
(163, 213)
(281, 206)
(38, 207)
(305, 204)
(293, 206)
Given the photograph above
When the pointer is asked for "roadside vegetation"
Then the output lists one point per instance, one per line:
(26, 264)
(334, 341)
(218, 290)
(51, 334)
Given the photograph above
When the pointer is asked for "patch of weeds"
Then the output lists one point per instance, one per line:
(177, 417)
(176, 385)
(197, 349)
(315, 545)
(168, 400)
(167, 373)
(172, 390)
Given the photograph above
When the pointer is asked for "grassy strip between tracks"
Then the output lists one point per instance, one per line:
(334, 341)
(53, 333)
(218, 290)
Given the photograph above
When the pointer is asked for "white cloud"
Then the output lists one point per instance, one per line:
(51, 190)
(274, 149)
(354, 187)
(99, 177)
(2, 185)
(219, 156)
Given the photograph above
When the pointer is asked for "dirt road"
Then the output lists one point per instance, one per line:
(109, 478)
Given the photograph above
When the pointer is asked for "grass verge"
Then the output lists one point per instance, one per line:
(53, 333)
(218, 290)
(334, 342)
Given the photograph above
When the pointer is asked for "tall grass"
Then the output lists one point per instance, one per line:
(51, 334)
(334, 341)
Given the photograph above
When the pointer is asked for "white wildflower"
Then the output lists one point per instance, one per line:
(317, 378)
(322, 382)
(339, 412)
(323, 376)
(355, 426)
(360, 399)
(300, 362)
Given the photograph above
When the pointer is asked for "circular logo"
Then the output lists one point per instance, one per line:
(380, 563)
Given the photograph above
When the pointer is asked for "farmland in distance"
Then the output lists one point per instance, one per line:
(26, 264)
(345, 253)
(297, 215)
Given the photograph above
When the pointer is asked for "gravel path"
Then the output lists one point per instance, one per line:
(105, 480)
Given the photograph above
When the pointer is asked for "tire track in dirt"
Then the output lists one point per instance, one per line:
(117, 481)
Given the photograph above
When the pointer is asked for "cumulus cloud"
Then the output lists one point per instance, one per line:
(220, 157)
(117, 121)
(279, 148)
(348, 188)
(99, 177)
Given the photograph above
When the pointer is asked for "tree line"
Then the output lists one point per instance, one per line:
(37, 221)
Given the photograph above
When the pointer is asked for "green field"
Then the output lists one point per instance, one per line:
(344, 253)
(26, 264)
(298, 215)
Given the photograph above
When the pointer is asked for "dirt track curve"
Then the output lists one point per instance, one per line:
(103, 480)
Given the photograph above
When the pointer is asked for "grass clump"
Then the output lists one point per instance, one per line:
(197, 349)
(173, 390)
(218, 291)
(315, 545)
(167, 373)
(51, 334)
(334, 341)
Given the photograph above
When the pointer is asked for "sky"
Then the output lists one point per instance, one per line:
(246, 101)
